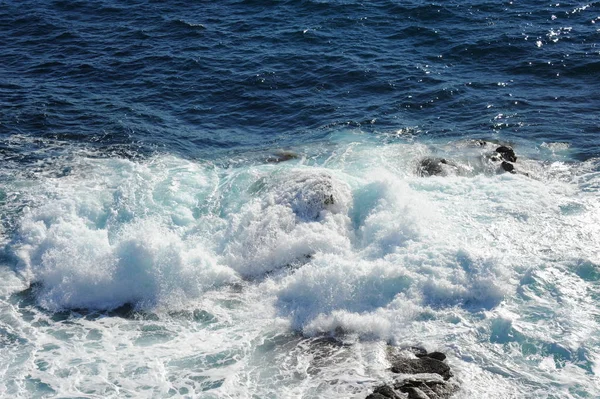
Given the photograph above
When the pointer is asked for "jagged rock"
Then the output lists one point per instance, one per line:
(384, 391)
(422, 365)
(431, 388)
(422, 386)
(507, 153)
(426, 377)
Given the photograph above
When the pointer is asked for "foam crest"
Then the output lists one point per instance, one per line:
(334, 293)
(331, 283)
(389, 214)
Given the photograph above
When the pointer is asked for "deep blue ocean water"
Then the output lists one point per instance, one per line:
(195, 77)
(247, 176)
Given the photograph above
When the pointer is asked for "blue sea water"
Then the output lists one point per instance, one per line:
(228, 199)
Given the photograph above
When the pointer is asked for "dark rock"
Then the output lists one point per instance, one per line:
(419, 382)
(425, 385)
(426, 377)
(422, 365)
(434, 355)
(494, 157)
(507, 166)
(387, 392)
(507, 153)
(125, 311)
(417, 387)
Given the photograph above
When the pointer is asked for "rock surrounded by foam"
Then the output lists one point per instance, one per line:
(292, 215)
(436, 167)
(507, 153)
(310, 193)
(426, 377)
(469, 157)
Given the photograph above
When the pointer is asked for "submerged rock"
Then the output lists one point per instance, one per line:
(435, 167)
(282, 156)
(479, 143)
(308, 194)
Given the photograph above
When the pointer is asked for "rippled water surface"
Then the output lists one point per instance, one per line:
(255, 199)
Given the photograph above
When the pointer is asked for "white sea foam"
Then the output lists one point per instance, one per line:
(106, 240)
(241, 271)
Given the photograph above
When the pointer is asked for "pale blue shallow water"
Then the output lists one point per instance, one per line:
(154, 245)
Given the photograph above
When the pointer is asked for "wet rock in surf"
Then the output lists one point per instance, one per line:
(434, 355)
(507, 153)
(502, 153)
(507, 166)
(419, 386)
(436, 167)
(426, 377)
(470, 157)
(426, 387)
(422, 365)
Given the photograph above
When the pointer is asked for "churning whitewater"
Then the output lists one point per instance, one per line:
(165, 276)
